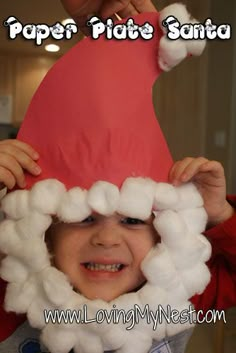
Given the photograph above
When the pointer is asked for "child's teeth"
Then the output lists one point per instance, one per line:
(101, 267)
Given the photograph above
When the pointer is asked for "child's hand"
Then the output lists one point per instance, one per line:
(209, 178)
(15, 157)
(80, 10)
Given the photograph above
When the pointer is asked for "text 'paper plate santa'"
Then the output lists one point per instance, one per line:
(101, 150)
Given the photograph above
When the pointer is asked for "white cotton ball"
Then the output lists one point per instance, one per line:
(103, 197)
(88, 343)
(159, 329)
(181, 319)
(12, 270)
(16, 204)
(165, 196)
(9, 240)
(19, 296)
(196, 47)
(171, 227)
(151, 296)
(195, 219)
(37, 308)
(57, 340)
(189, 196)
(113, 338)
(74, 308)
(56, 286)
(95, 309)
(126, 301)
(33, 225)
(192, 251)
(171, 53)
(207, 249)
(34, 254)
(157, 267)
(196, 279)
(136, 198)
(74, 206)
(176, 290)
(45, 196)
(179, 11)
(24, 239)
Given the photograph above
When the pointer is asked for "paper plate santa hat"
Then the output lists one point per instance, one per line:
(101, 149)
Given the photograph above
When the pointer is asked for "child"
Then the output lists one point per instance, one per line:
(103, 233)
(103, 183)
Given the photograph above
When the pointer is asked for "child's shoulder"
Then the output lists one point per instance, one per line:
(11, 320)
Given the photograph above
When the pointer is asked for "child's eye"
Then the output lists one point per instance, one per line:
(89, 219)
(132, 221)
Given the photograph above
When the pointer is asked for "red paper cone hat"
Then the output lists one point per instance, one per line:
(92, 117)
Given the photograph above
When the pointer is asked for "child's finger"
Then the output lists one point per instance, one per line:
(177, 170)
(191, 169)
(25, 161)
(214, 167)
(10, 163)
(30, 151)
(124, 8)
(6, 178)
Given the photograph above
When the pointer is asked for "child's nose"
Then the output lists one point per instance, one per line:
(107, 236)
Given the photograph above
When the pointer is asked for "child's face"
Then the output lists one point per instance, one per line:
(102, 255)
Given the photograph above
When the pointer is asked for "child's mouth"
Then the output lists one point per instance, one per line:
(92, 266)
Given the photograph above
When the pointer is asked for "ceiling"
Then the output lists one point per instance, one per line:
(36, 12)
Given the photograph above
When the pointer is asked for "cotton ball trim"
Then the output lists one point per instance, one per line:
(9, 240)
(46, 194)
(189, 197)
(165, 196)
(74, 206)
(15, 205)
(12, 270)
(34, 223)
(34, 253)
(179, 11)
(172, 52)
(113, 338)
(172, 229)
(88, 343)
(56, 286)
(103, 197)
(193, 252)
(158, 267)
(196, 279)
(36, 309)
(57, 340)
(36, 292)
(20, 295)
(206, 254)
(136, 198)
(176, 328)
(194, 218)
